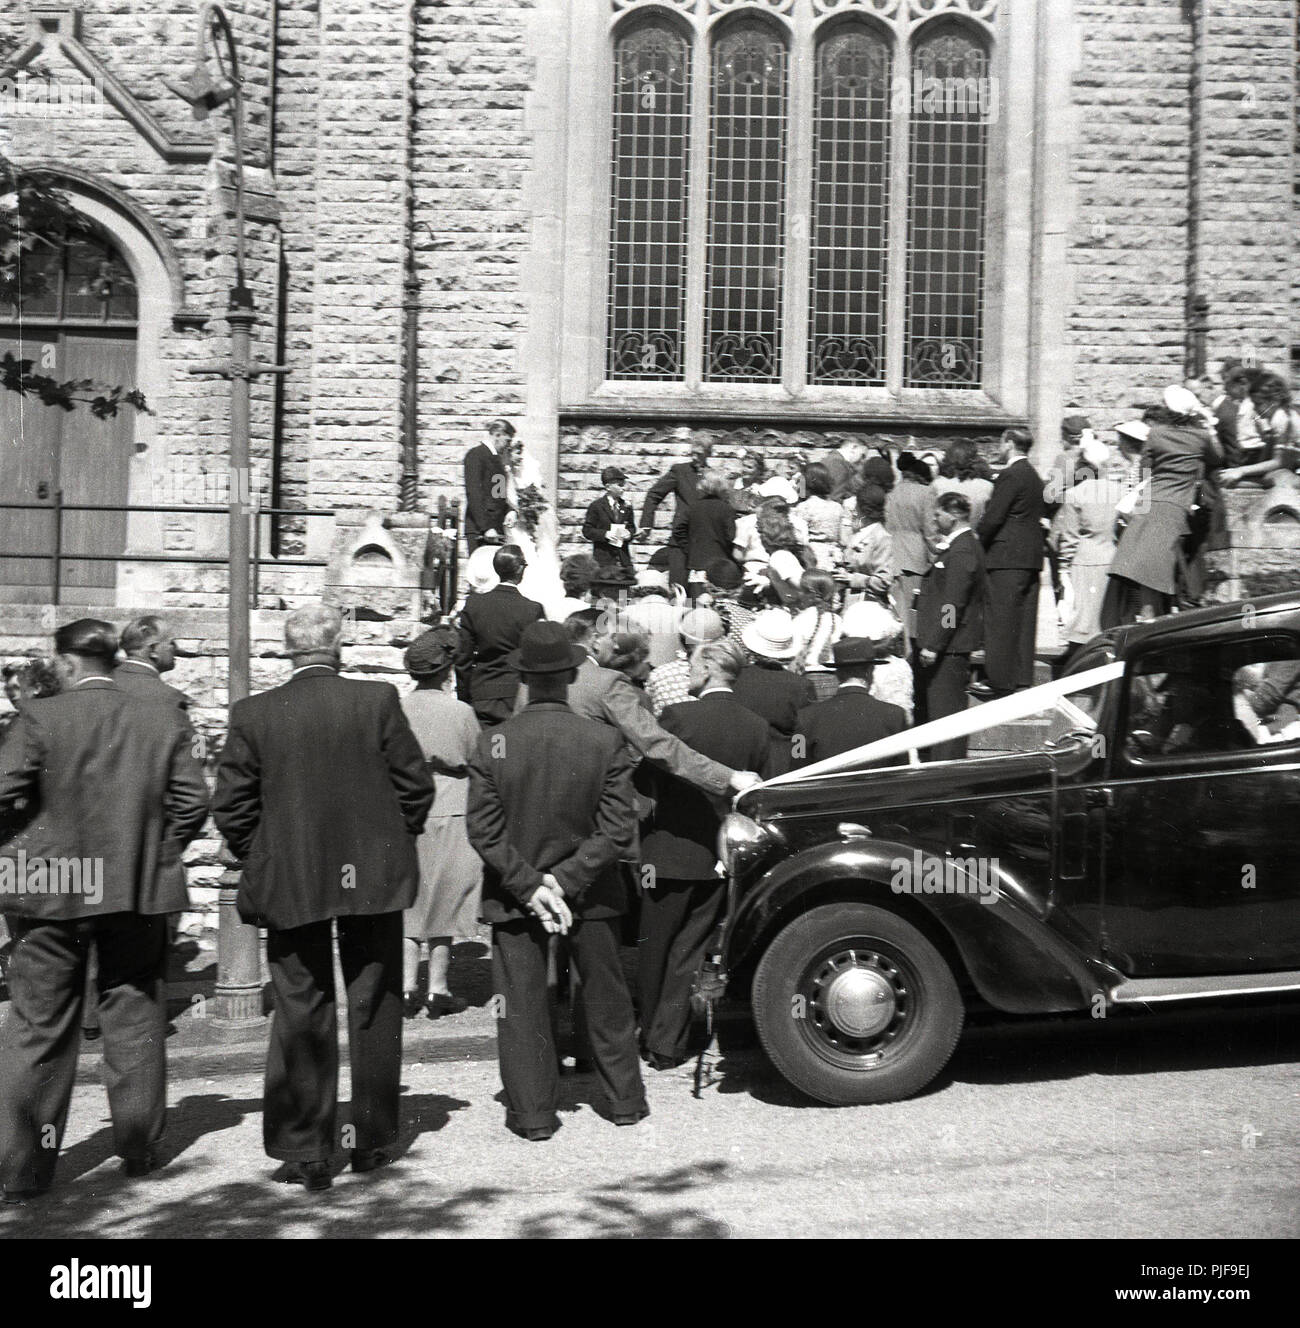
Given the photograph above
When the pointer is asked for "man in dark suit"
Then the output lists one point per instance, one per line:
(103, 793)
(490, 627)
(949, 620)
(551, 814)
(610, 525)
(852, 717)
(681, 483)
(683, 901)
(150, 652)
(843, 465)
(321, 792)
(1011, 531)
(487, 499)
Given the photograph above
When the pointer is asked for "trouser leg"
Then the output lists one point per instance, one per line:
(370, 954)
(302, 1061)
(38, 1048)
(668, 1032)
(1027, 628)
(677, 569)
(945, 684)
(663, 910)
(611, 1025)
(133, 1012)
(90, 1001)
(525, 1037)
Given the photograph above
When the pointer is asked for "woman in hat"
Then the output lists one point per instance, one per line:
(1179, 449)
(450, 871)
(768, 687)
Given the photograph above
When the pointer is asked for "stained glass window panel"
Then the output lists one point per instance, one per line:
(850, 204)
(651, 158)
(950, 112)
(746, 232)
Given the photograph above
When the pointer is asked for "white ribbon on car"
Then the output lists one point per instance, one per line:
(972, 720)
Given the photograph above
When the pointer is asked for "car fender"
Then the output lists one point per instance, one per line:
(1015, 960)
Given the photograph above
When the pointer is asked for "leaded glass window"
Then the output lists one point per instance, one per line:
(850, 208)
(647, 266)
(742, 317)
(945, 242)
(798, 194)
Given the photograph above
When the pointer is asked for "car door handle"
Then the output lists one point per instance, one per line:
(1099, 797)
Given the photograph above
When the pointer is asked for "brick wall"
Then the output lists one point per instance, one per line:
(472, 153)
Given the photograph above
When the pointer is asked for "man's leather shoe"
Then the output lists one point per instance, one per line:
(657, 1062)
(370, 1159)
(539, 1134)
(630, 1117)
(441, 1003)
(983, 692)
(140, 1165)
(310, 1175)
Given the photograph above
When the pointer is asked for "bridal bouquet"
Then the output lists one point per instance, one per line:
(530, 504)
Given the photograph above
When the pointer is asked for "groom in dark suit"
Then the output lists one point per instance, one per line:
(487, 499)
(551, 815)
(321, 792)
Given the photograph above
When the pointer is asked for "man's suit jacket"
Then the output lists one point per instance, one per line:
(682, 843)
(1011, 529)
(491, 624)
(321, 791)
(607, 511)
(551, 792)
(142, 681)
(851, 718)
(607, 696)
(486, 502)
(99, 776)
(950, 606)
(681, 482)
(774, 694)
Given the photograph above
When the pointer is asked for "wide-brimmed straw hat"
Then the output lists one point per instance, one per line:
(771, 635)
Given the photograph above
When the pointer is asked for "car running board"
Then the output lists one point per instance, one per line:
(1141, 990)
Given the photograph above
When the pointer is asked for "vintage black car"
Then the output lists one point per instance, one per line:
(1141, 844)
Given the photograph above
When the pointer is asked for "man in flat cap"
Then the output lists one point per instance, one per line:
(551, 815)
(610, 525)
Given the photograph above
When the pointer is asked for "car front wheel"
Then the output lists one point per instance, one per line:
(853, 1004)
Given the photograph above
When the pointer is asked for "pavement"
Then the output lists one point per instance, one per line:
(1181, 1124)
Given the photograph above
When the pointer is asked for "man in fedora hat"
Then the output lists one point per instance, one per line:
(852, 717)
(767, 686)
(610, 525)
(551, 814)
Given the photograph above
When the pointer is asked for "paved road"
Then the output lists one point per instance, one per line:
(1167, 1125)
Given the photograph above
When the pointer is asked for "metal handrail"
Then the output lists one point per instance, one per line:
(447, 519)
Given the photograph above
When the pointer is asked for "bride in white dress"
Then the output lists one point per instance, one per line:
(542, 547)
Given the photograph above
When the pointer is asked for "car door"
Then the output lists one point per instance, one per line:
(1200, 843)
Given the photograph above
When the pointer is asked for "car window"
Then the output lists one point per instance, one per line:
(1222, 696)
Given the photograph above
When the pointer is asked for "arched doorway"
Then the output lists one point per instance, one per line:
(77, 318)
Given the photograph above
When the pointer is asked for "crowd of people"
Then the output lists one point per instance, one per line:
(559, 765)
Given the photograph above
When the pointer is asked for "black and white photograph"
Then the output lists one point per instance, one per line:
(650, 619)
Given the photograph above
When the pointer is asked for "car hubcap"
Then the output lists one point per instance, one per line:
(860, 1002)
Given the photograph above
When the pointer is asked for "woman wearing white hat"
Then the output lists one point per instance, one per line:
(1179, 450)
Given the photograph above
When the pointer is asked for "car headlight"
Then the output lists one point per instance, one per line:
(740, 838)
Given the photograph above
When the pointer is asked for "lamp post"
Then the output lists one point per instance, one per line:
(239, 977)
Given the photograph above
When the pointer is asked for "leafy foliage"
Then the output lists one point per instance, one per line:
(37, 218)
